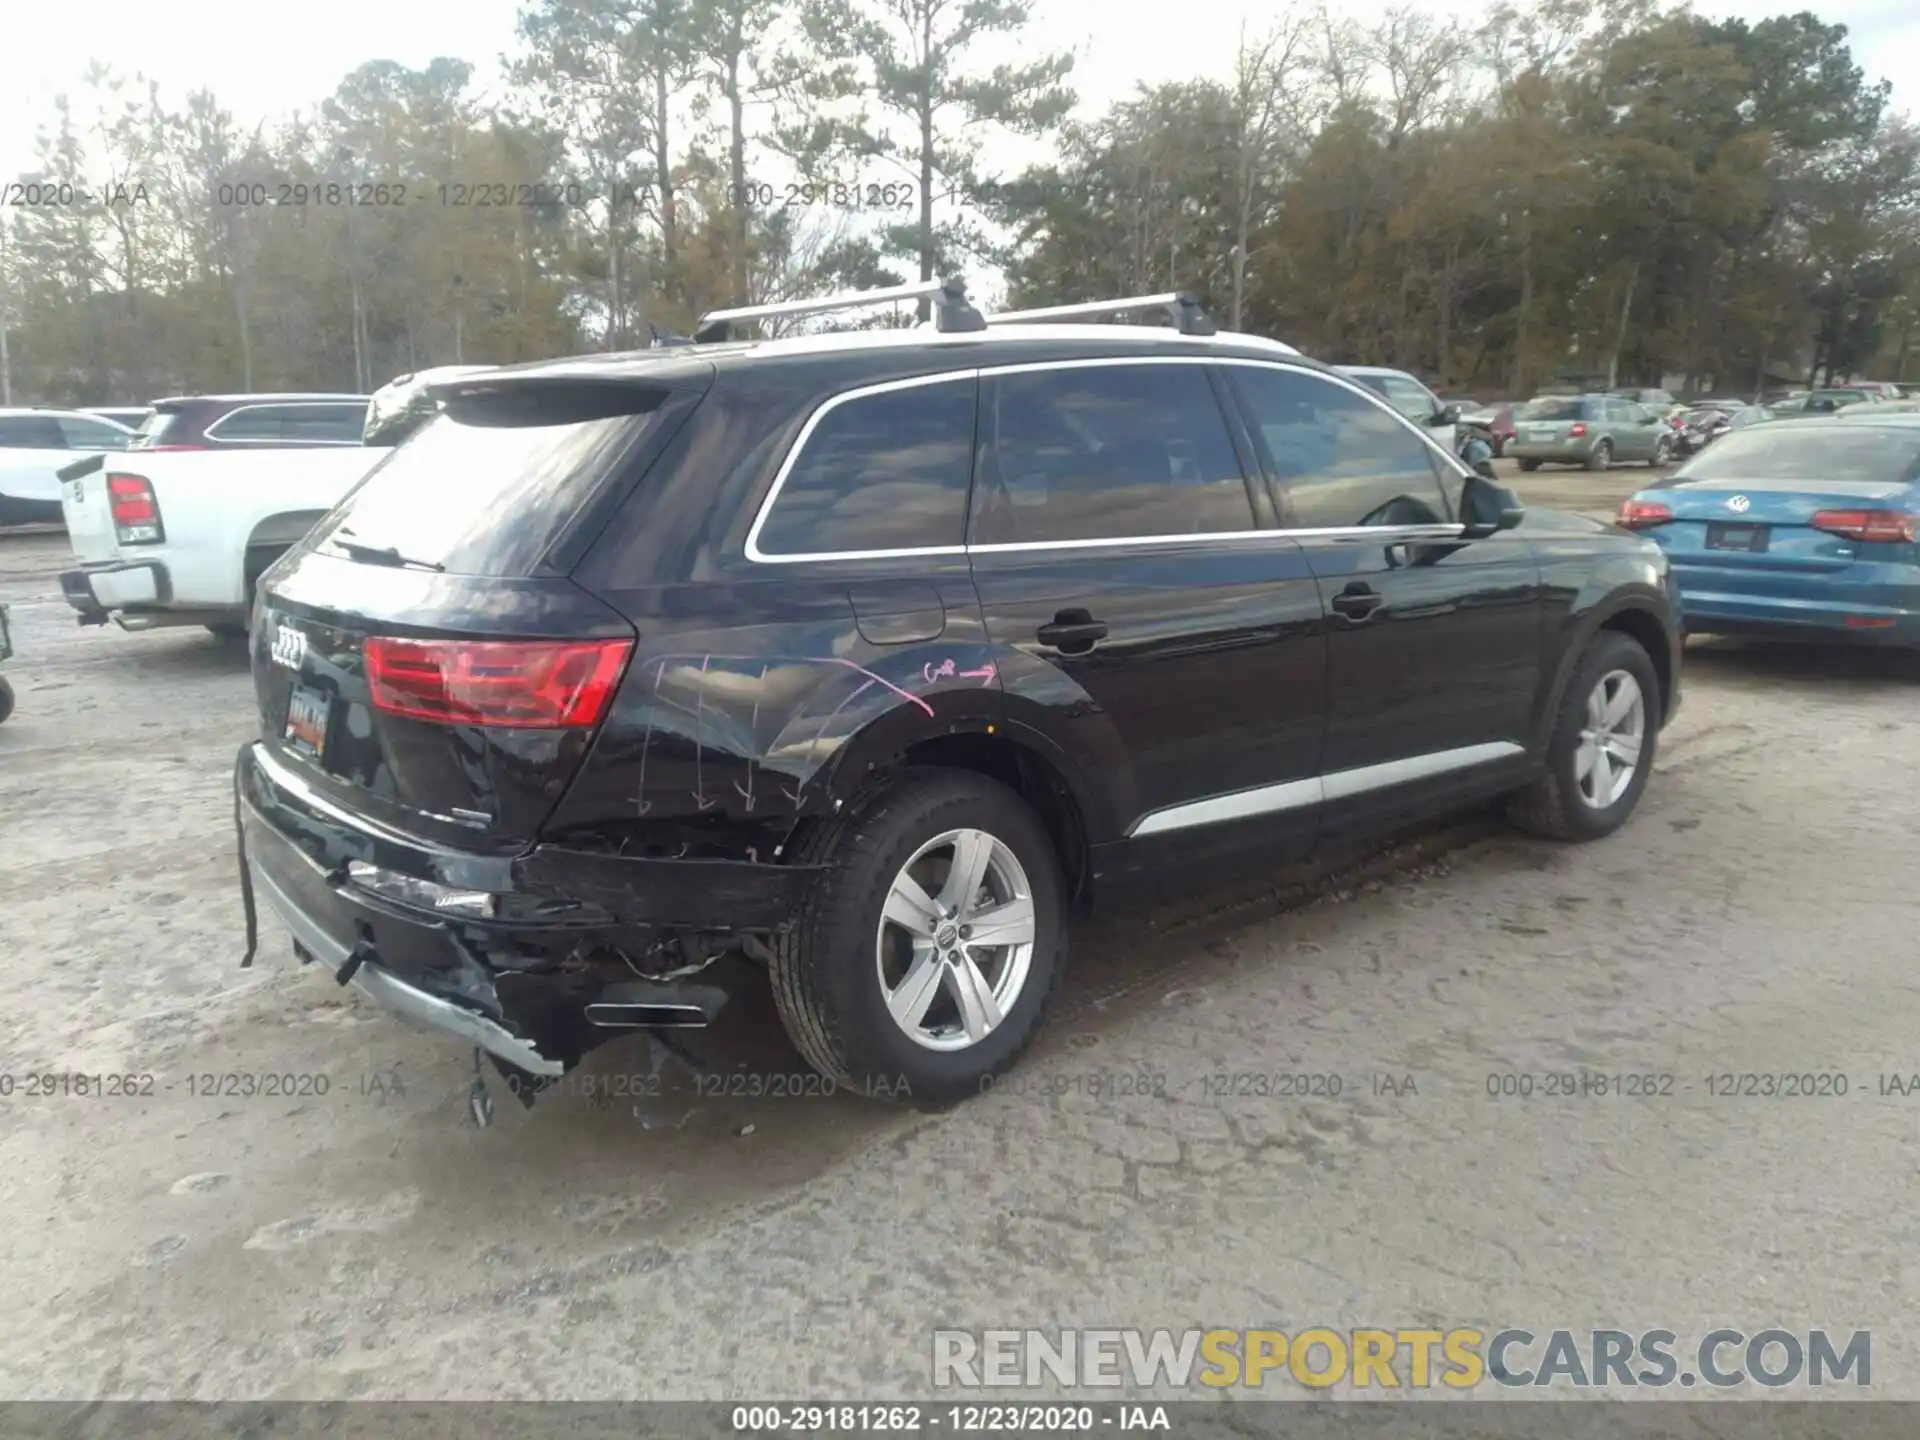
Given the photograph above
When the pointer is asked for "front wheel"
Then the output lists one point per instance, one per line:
(924, 960)
(1603, 745)
(1662, 453)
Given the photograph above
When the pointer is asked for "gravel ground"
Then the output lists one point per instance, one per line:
(1756, 916)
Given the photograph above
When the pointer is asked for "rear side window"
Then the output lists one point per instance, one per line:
(248, 422)
(335, 424)
(886, 470)
(489, 484)
(1105, 453)
(1342, 460)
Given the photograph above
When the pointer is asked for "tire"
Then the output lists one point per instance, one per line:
(1662, 453)
(1529, 466)
(832, 970)
(1601, 456)
(1560, 805)
(6, 700)
(228, 629)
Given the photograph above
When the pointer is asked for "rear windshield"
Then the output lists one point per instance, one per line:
(1790, 458)
(1553, 407)
(486, 487)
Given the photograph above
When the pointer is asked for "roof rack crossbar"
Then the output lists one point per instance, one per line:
(951, 310)
(1182, 307)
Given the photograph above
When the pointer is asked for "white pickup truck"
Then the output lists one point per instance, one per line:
(173, 538)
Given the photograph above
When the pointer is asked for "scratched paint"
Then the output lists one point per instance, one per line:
(723, 723)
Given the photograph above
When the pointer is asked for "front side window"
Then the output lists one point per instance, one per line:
(1342, 461)
(882, 471)
(1105, 452)
(91, 434)
(1410, 398)
(30, 432)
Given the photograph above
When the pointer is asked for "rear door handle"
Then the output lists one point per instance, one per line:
(1072, 631)
(1357, 601)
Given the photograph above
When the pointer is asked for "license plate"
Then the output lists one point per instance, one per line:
(1750, 538)
(1542, 437)
(307, 720)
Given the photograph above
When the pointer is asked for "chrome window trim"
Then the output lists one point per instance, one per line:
(1386, 534)
(799, 447)
(1379, 402)
(212, 432)
(1340, 785)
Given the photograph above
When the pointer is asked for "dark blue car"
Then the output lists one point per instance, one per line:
(1796, 529)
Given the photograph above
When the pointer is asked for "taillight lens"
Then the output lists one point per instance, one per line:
(531, 684)
(1641, 514)
(1576, 430)
(136, 514)
(1884, 525)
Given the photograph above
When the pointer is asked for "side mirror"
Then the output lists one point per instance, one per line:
(1447, 415)
(1486, 507)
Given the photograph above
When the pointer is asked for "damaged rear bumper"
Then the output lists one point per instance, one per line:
(546, 972)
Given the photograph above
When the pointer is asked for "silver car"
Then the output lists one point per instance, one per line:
(1589, 430)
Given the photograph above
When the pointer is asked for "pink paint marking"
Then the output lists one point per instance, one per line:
(984, 674)
(903, 694)
(939, 672)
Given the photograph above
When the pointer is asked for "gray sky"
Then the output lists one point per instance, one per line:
(262, 67)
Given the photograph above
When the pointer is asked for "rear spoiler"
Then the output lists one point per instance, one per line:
(80, 468)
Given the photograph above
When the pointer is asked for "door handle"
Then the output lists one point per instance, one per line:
(1072, 631)
(1357, 601)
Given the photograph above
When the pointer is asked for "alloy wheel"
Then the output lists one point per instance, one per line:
(1611, 739)
(955, 940)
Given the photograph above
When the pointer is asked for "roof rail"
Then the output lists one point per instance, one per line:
(951, 312)
(1182, 307)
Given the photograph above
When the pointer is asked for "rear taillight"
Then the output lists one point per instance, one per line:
(541, 684)
(1642, 514)
(136, 514)
(1884, 525)
(1576, 430)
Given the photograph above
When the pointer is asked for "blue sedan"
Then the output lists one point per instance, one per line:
(1796, 529)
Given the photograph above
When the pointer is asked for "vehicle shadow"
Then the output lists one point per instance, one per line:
(1120, 961)
(1768, 662)
(185, 653)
